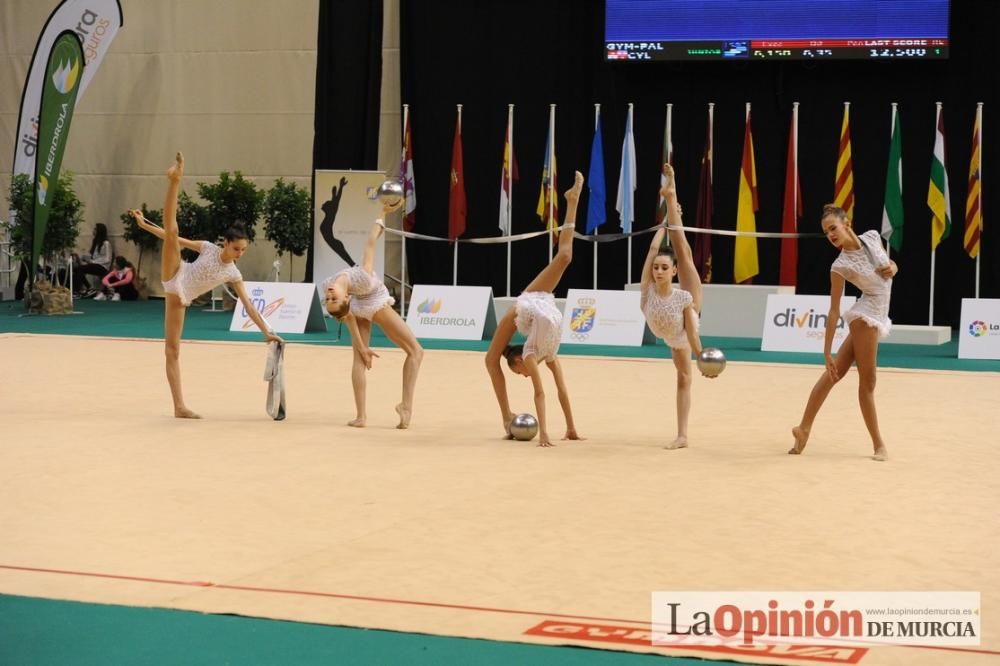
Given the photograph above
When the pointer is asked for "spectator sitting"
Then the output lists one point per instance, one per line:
(119, 283)
(97, 262)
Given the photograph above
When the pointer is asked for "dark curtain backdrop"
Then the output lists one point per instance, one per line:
(485, 55)
(348, 88)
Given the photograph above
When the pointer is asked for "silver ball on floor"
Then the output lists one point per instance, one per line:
(711, 362)
(524, 427)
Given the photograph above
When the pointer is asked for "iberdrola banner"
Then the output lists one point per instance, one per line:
(96, 22)
(59, 92)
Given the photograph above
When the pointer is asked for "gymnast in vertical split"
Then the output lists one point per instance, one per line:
(536, 316)
(183, 282)
(671, 312)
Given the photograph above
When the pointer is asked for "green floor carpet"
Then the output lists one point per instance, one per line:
(144, 319)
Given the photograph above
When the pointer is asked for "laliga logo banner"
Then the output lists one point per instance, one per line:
(95, 22)
(452, 313)
(979, 330)
(289, 307)
(798, 323)
(603, 317)
(60, 90)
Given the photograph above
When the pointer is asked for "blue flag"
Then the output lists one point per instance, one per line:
(626, 179)
(596, 205)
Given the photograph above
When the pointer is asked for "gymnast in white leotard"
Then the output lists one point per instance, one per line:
(671, 312)
(183, 282)
(536, 316)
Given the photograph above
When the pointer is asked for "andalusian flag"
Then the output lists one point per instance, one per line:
(937, 193)
(892, 210)
(745, 260)
(973, 202)
(843, 188)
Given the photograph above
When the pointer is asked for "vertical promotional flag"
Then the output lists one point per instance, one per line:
(745, 257)
(548, 202)
(703, 219)
(456, 193)
(96, 23)
(61, 87)
(406, 175)
(666, 157)
(843, 188)
(973, 201)
(508, 174)
(938, 199)
(597, 203)
(892, 210)
(626, 178)
(792, 211)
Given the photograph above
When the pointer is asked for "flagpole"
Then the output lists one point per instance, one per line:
(510, 185)
(982, 216)
(628, 278)
(930, 316)
(892, 132)
(597, 115)
(552, 169)
(454, 270)
(670, 149)
(402, 266)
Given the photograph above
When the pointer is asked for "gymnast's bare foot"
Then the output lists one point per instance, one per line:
(680, 443)
(404, 416)
(358, 422)
(176, 171)
(881, 454)
(801, 437)
(185, 413)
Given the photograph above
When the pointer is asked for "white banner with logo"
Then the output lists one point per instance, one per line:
(289, 307)
(96, 22)
(603, 317)
(979, 331)
(798, 323)
(346, 208)
(453, 313)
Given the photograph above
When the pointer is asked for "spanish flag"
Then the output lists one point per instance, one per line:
(745, 260)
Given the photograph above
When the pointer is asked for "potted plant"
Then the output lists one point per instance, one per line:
(287, 213)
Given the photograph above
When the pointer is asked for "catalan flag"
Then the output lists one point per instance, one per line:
(843, 189)
(973, 202)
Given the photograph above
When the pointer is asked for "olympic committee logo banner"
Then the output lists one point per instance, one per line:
(603, 317)
(798, 323)
(979, 330)
(452, 313)
(346, 208)
(289, 307)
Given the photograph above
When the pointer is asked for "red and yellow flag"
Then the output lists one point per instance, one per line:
(843, 189)
(745, 264)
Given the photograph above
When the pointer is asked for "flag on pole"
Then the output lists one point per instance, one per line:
(406, 176)
(666, 157)
(843, 189)
(508, 175)
(456, 194)
(792, 211)
(548, 203)
(973, 211)
(626, 178)
(703, 218)
(938, 199)
(597, 203)
(892, 211)
(745, 257)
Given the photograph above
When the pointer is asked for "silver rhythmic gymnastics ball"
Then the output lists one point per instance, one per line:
(524, 427)
(711, 362)
(390, 191)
